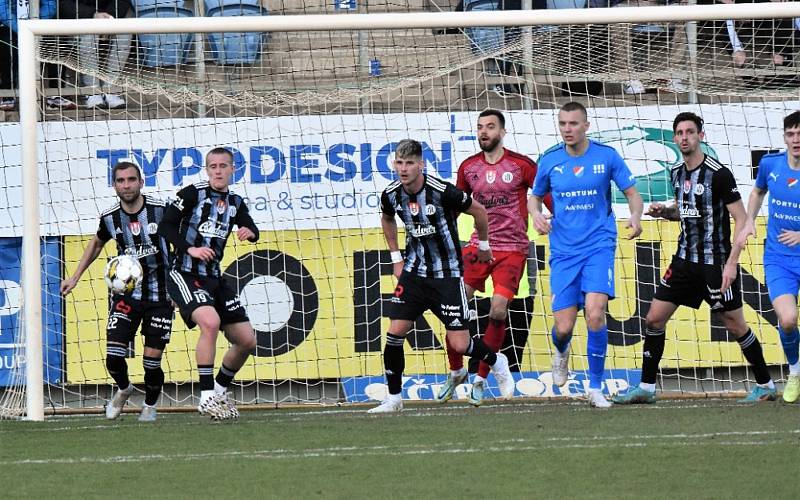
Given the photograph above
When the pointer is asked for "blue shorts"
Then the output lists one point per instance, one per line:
(782, 274)
(573, 276)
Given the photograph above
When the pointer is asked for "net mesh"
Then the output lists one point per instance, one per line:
(313, 119)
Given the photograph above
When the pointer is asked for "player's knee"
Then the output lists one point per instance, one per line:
(208, 324)
(653, 323)
(248, 342)
(116, 364)
(788, 322)
(498, 313)
(595, 318)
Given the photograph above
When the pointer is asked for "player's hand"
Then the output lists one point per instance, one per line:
(656, 210)
(203, 253)
(244, 233)
(635, 225)
(789, 238)
(747, 231)
(729, 273)
(398, 269)
(68, 284)
(485, 255)
(541, 223)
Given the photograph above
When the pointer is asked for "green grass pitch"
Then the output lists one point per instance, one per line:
(522, 449)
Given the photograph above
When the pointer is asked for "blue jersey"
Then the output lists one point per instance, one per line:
(783, 184)
(583, 220)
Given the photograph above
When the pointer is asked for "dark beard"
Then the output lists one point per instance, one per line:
(490, 146)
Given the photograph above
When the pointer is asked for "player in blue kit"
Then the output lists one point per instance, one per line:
(583, 235)
(779, 174)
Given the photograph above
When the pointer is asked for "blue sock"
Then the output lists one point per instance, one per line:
(561, 345)
(596, 346)
(790, 342)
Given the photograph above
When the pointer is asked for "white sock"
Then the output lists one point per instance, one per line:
(794, 369)
(219, 389)
(145, 405)
(478, 378)
(647, 387)
(395, 397)
(458, 373)
(768, 385)
(204, 395)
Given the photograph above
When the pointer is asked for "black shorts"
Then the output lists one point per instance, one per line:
(689, 284)
(127, 314)
(190, 292)
(445, 297)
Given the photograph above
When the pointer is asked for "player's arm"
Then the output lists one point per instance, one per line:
(753, 207)
(247, 226)
(478, 212)
(90, 254)
(636, 206)
(659, 210)
(389, 226)
(731, 269)
(541, 221)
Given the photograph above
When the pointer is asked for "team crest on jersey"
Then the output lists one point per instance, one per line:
(231, 211)
(430, 210)
(135, 228)
(578, 171)
(687, 186)
(221, 207)
(507, 177)
(491, 176)
(791, 182)
(699, 189)
(413, 207)
(152, 228)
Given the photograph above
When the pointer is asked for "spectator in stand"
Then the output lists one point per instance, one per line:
(8, 45)
(621, 37)
(89, 50)
(779, 36)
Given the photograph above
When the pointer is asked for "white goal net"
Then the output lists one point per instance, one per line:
(313, 117)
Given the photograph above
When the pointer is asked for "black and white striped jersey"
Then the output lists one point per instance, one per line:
(203, 217)
(433, 249)
(702, 197)
(135, 235)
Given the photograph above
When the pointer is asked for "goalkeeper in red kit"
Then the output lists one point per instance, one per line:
(500, 180)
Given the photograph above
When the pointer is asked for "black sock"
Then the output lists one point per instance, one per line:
(206, 377)
(477, 349)
(652, 352)
(751, 348)
(118, 369)
(225, 375)
(153, 379)
(394, 362)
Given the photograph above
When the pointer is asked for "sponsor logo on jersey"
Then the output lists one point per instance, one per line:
(231, 211)
(699, 189)
(135, 228)
(689, 213)
(578, 171)
(141, 251)
(559, 169)
(507, 177)
(491, 176)
(413, 207)
(421, 231)
(773, 176)
(221, 207)
(152, 228)
(430, 209)
(791, 182)
(211, 229)
(600, 168)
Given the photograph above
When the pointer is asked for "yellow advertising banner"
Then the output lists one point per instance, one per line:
(315, 299)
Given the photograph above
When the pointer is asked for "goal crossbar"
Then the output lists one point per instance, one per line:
(30, 29)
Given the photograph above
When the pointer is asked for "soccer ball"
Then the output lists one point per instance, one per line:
(123, 274)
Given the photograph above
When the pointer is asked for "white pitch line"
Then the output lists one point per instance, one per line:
(512, 445)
